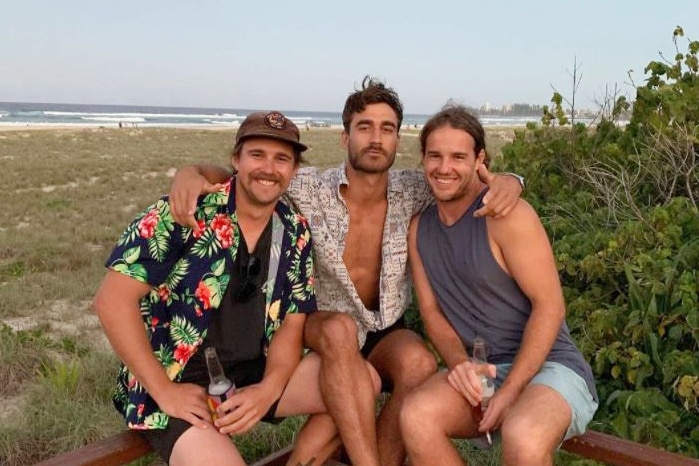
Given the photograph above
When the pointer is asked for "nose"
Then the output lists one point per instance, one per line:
(267, 164)
(376, 135)
(443, 165)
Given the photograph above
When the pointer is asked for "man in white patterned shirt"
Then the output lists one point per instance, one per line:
(359, 214)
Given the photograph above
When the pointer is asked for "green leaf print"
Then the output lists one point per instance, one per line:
(218, 267)
(130, 233)
(129, 409)
(131, 255)
(177, 274)
(159, 245)
(214, 286)
(182, 331)
(205, 245)
(138, 272)
(157, 420)
(218, 198)
(164, 355)
(120, 394)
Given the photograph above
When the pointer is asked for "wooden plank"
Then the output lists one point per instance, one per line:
(128, 446)
(118, 449)
(279, 458)
(622, 452)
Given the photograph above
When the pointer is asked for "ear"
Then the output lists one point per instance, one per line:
(235, 158)
(480, 158)
(344, 139)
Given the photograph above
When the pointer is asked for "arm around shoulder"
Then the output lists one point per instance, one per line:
(189, 183)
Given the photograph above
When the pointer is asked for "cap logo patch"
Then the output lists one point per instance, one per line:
(275, 120)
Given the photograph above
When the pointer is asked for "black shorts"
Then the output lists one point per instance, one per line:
(247, 373)
(373, 338)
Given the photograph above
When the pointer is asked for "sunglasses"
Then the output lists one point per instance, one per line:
(247, 284)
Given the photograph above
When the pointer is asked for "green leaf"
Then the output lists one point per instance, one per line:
(212, 283)
(131, 255)
(183, 331)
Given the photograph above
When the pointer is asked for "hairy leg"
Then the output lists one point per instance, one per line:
(319, 437)
(204, 447)
(345, 383)
(403, 359)
(316, 442)
(430, 416)
(526, 440)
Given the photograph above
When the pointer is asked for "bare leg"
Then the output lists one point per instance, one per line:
(526, 440)
(346, 383)
(431, 415)
(204, 447)
(402, 358)
(312, 444)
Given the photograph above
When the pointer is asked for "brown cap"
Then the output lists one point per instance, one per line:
(270, 125)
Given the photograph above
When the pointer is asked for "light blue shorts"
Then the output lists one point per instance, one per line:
(569, 385)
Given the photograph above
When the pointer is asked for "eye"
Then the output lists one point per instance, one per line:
(284, 158)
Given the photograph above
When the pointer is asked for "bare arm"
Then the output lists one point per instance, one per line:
(521, 245)
(463, 374)
(248, 406)
(189, 183)
(502, 196)
(117, 306)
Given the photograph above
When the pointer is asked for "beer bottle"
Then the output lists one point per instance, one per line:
(220, 386)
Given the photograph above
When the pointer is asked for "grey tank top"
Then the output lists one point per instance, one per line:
(477, 296)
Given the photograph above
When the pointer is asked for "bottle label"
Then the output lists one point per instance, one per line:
(214, 401)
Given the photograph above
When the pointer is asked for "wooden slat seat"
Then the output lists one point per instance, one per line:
(128, 446)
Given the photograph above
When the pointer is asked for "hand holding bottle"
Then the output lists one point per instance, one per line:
(220, 387)
(487, 383)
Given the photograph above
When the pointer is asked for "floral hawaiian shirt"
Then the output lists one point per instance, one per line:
(189, 274)
(317, 195)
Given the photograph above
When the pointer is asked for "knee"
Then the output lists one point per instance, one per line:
(336, 333)
(518, 447)
(417, 365)
(417, 417)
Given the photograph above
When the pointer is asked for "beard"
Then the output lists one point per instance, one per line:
(361, 160)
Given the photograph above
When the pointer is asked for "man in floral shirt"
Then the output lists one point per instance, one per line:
(242, 282)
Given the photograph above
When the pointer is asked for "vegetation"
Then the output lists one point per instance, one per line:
(620, 205)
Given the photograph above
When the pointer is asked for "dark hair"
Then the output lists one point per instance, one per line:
(458, 117)
(373, 91)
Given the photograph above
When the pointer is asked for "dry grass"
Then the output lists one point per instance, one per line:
(67, 194)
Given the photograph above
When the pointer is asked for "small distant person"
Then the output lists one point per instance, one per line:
(120, 125)
(242, 283)
(493, 278)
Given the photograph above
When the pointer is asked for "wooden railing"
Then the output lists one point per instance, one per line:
(128, 446)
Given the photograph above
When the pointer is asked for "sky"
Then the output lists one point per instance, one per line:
(309, 55)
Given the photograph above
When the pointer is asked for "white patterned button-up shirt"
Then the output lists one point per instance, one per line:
(317, 196)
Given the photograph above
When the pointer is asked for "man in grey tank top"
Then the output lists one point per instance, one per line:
(493, 278)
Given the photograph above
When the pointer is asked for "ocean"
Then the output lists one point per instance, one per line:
(48, 114)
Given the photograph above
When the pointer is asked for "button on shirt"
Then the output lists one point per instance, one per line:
(316, 194)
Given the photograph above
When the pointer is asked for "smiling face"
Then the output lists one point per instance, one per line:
(265, 168)
(372, 139)
(450, 162)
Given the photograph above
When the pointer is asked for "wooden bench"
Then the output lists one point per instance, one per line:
(128, 446)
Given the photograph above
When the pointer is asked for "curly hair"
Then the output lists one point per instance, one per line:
(373, 91)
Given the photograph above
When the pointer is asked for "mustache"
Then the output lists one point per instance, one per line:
(374, 148)
(265, 177)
